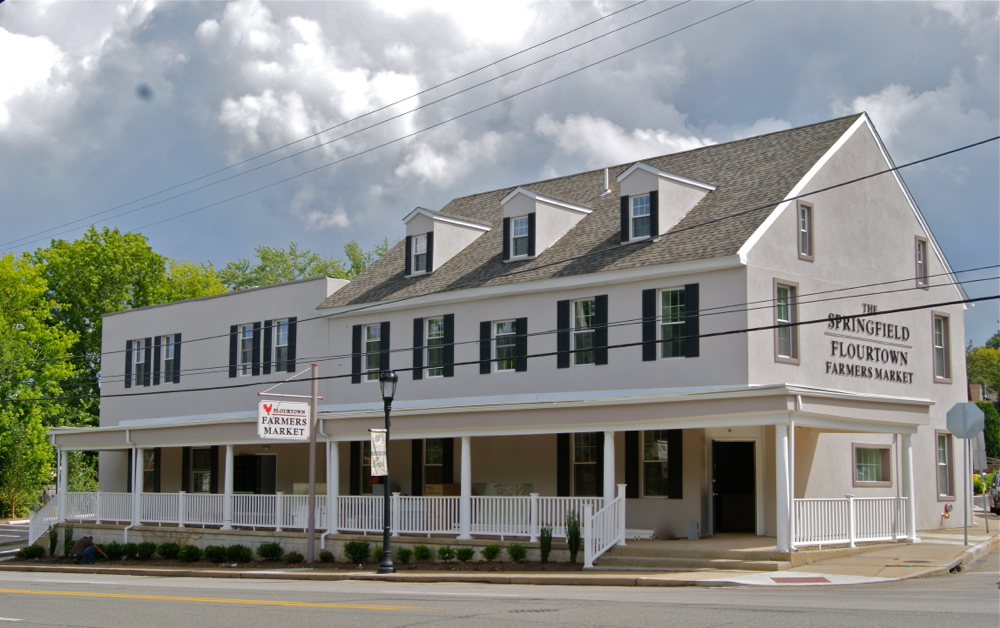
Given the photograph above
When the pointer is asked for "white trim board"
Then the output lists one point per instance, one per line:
(545, 199)
(664, 175)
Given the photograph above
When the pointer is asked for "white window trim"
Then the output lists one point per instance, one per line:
(573, 463)
(949, 464)
(427, 348)
(244, 369)
(513, 237)
(414, 253)
(795, 357)
(167, 346)
(642, 467)
(365, 352)
(495, 347)
(631, 219)
(946, 328)
(274, 341)
(885, 451)
(573, 332)
(660, 323)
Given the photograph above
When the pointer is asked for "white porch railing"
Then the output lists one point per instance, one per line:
(848, 520)
(114, 507)
(81, 506)
(160, 508)
(39, 522)
(603, 529)
(423, 515)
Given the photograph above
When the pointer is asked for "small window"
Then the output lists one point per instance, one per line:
(785, 316)
(434, 461)
(280, 352)
(584, 314)
(506, 345)
(246, 350)
(148, 471)
(654, 464)
(942, 365)
(435, 347)
(168, 358)
(201, 470)
(872, 465)
(921, 262)
(944, 486)
(640, 216)
(139, 366)
(519, 236)
(585, 480)
(805, 228)
(373, 348)
(420, 253)
(671, 323)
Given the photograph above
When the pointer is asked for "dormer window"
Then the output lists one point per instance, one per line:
(420, 253)
(640, 216)
(433, 238)
(519, 233)
(533, 223)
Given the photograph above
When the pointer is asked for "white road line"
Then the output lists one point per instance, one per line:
(9, 619)
(421, 593)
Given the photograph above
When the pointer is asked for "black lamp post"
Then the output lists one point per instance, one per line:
(387, 381)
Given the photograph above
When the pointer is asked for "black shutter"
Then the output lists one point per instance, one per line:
(418, 349)
(408, 265)
(691, 326)
(562, 465)
(485, 328)
(185, 469)
(356, 357)
(624, 219)
(675, 464)
(562, 334)
(654, 213)
(128, 364)
(255, 352)
(600, 464)
(355, 474)
(268, 342)
(293, 338)
(234, 331)
(131, 470)
(148, 355)
(632, 465)
(649, 325)
(448, 461)
(383, 345)
(157, 463)
(506, 239)
(177, 360)
(449, 345)
(416, 467)
(214, 475)
(601, 329)
(531, 234)
(430, 251)
(156, 361)
(521, 343)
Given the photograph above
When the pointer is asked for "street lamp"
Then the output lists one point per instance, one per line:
(387, 381)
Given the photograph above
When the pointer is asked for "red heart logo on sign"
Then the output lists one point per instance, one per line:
(267, 408)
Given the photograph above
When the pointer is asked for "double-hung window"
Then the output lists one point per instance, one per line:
(168, 358)
(434, 461)
(943, 446)
(640, 218)
(420, 253)
(584, 314)
(872, 465)
(519, 236)
(785, 316)
(280, 351)
(942, 367)
(585, 471)
(201, 470)
(672, 323)
(654, 463)
(139, 366)
(373, 349)
(805, 229)
(506, 345)
(246, 350)
(435, 347)
(921, 262)
(149, 471)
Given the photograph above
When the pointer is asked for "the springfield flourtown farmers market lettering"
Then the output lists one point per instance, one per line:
(283, 420)
(883, 357)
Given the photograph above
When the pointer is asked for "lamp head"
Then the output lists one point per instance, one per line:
(387, 382)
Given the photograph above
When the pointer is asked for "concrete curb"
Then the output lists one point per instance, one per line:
(963, 559)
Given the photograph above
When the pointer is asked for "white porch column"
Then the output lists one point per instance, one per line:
(227, 500)
(609, 468)
(465, 501)
(332, 485)
(63, 484)
(908, 491)
(137, 478)
(781, 494)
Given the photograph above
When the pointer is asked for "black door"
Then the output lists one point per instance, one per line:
(254, 474)
(734, 503)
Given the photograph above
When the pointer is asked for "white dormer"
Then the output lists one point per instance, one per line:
(533, 223)
(653, 201)
(433, 238)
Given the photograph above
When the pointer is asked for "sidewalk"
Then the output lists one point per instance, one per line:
(939, 553)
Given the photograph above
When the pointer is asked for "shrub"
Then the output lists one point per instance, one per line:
(68, 541)
(573, 534)
(421, 553)
(357, 551)
(404, 554)
(545, 543)
(215, 553)
(377, 552)
(129, 551)
(492, 552)
(53, 540)
(145, 551)
(978, 487)
(517, 552)
(445, 553)
(189, 553)
(239, 554)
(465, 554)
(168, 550)
(294, 557)
(114, 550)
(326, 557)
(270, 551)
(31, 552)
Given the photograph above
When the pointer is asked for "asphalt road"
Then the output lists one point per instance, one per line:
(969, 600)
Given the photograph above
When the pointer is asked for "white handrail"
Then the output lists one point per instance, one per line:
(848, 520)
(603, 529)
(39, 522)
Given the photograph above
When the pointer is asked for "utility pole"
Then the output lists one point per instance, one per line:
(311, 532)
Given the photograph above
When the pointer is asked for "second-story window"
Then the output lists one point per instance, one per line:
(672, 323)
(420, 253)
(280, 344)
(921, 262)
(168, 359)
(805, 227)
(506, 346)
(584, 314)
(942, 370)
(519, 235)
(373, 347)
(246, 350)
(139, 368)
(640, 216)
(435, 347)
(784, 319)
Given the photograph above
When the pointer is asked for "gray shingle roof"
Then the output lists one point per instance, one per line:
(746, 173)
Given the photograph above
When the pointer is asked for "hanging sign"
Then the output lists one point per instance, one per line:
(380, 461)
(283, 420)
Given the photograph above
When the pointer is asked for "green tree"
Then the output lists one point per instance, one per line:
(991, 429)
(187, 280)
(994, 341)
(277, 265)
(982, 365)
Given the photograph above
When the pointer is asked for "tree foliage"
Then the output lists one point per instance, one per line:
(187, 280)
(994, 341)
(982, 366)
(276, 265)
(991, 428)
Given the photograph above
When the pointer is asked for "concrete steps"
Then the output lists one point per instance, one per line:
(687, 557)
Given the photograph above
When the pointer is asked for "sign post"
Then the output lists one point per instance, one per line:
(965, 421)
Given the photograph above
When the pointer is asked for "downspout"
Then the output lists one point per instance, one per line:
(134, 480)
(326, 439)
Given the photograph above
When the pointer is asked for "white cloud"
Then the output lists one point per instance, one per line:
(442, 169)
(310, 207)
(30, 64)
(502, 22)
(208, 30)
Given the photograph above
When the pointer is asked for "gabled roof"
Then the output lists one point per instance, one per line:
(746, 173)
(436, 215)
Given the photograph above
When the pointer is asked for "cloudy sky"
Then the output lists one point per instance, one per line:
(106, 103)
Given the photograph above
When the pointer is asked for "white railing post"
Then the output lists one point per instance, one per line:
(609, 468)
(137, 481)
(332, 486)
(533, 522)
(588, 533)
(782, 506)
(181, 509)
(908, 490)
(621, 515)
(279, 516)
(394, 523)
(98, 508)
(227, 503)
(465, 499)
(852, 527)
(63, 483)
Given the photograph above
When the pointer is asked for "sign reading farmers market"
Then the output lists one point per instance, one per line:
(283, 420)
(868, 348)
